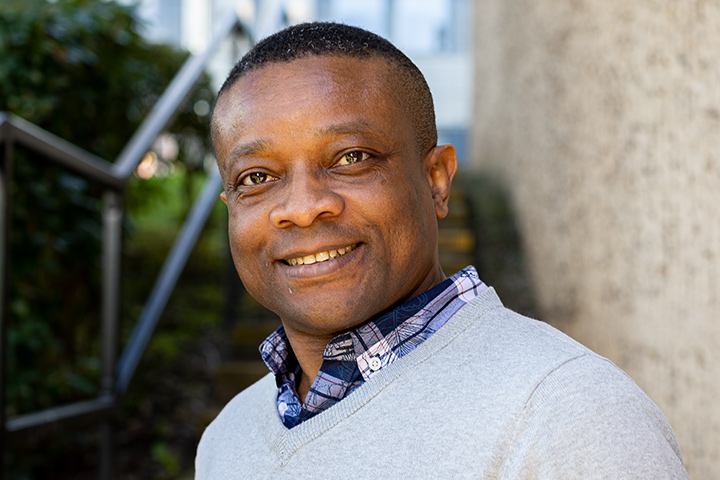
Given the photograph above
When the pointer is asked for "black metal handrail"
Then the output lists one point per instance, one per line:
(168, 104)
(166, 280)
(113, 178)
(126, 163)
(61, 151)
(16, 131)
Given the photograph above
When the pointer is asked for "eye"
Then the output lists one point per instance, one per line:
(256, 178)
(352, 158)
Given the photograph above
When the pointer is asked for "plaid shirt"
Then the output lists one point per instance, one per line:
(353, 357)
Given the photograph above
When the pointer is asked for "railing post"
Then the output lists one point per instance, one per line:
(106, 467)
(6, 161)
(112, 238)
(112, 242)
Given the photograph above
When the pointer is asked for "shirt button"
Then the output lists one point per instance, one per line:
(374, 364)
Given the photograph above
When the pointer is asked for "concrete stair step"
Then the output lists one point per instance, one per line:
(456, 239)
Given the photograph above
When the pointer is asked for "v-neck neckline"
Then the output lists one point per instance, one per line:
(285, 442)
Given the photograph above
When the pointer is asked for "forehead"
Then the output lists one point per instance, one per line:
(317, 86)
(340, 73)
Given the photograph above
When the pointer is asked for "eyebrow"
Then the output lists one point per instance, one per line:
(258, 146)
(249, 148)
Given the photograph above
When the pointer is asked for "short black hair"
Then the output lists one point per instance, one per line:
(328, 38)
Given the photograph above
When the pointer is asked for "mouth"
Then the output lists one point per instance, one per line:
(320, 256)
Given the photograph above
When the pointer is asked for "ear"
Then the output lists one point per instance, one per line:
(441, 165)
(223, 197)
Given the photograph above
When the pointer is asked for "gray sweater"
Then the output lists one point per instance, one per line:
(492, 394)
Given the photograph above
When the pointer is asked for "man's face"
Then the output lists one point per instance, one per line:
(332, 205)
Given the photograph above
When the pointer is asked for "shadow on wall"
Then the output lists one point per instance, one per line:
(498, 255)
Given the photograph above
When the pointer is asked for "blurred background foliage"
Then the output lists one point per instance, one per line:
(82, 70)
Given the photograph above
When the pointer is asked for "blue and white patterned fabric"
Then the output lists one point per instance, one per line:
(353, 357)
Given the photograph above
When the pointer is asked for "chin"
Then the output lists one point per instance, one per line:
(327, 320)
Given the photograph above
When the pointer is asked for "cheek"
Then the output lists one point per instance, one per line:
(246, 245)
(245, 237)
(402, 219)
(409, 202)
(414, 225)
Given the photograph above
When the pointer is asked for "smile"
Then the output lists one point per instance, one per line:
(320, 257)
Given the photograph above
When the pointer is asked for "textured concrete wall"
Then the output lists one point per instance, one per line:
(603, 120)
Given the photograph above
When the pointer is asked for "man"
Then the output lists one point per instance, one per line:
(383, 367)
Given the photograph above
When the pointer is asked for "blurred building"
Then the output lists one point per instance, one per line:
(435, 34)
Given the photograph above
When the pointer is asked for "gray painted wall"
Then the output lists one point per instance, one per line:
(603, 121)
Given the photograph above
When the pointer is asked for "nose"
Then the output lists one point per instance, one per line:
(308, 197)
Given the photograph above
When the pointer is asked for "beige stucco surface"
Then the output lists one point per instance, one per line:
(603, 121)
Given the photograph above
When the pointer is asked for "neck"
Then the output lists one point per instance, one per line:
(308, 350)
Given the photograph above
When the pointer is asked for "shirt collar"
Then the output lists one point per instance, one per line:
(369, 339)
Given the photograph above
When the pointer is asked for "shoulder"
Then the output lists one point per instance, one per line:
(491, 331)
(577, 415)
(588, 419)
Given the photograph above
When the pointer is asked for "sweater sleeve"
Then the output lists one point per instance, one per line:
(587, 419)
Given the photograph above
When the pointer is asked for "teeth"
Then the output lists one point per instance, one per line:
(320, 257)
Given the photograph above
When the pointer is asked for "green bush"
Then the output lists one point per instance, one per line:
(81, 70)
